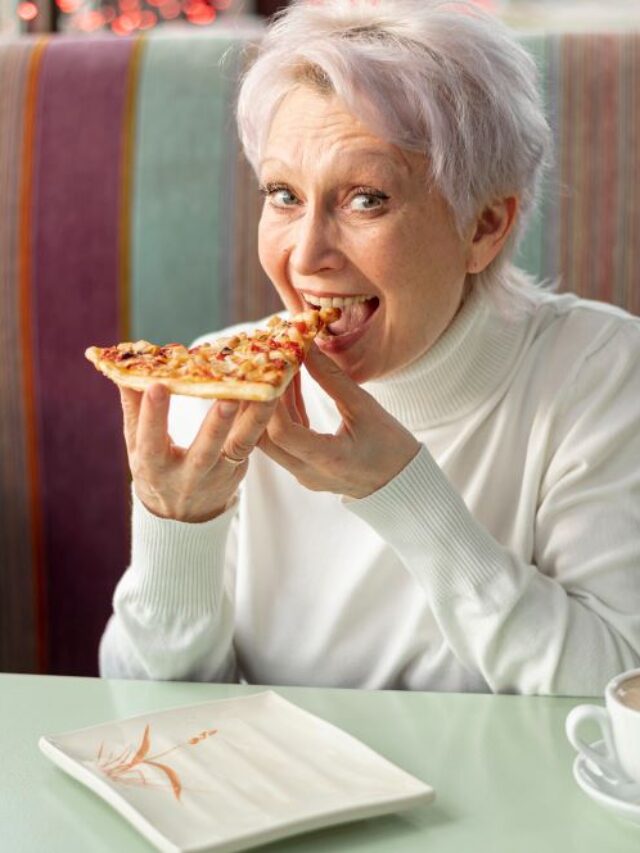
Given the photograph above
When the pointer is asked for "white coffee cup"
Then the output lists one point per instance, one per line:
(619, 724)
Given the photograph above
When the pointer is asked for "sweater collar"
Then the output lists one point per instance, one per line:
(462, 369)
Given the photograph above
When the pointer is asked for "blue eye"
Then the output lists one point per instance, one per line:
(279, 196)
(284, 196)
(372, 201)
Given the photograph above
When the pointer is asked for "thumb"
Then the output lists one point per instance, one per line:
(334, 381)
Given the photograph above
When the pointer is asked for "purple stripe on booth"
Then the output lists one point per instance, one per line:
(77, 185)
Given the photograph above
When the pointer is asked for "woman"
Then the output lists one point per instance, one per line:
(449, 498)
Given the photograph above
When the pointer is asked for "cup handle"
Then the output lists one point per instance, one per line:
(598, 715)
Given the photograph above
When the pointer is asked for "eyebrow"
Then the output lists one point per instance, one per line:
(357, 153)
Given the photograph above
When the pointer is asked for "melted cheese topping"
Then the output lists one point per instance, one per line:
(266, 355)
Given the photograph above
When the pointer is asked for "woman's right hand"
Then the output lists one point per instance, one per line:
(189, 484)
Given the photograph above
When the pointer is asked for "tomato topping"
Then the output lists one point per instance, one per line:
(292, 345)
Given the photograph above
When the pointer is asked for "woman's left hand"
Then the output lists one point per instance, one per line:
(368, 450)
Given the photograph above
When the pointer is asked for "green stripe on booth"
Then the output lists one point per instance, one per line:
(179, 203)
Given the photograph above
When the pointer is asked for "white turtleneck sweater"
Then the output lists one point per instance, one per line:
(505, 557)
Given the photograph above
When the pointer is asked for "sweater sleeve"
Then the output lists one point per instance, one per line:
(172, 615)
(568, 621)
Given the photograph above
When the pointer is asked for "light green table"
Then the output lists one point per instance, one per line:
(501, 767)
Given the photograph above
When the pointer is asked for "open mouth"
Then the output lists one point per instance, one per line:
(356, 311)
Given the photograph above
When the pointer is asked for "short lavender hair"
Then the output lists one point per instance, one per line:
(436, 76)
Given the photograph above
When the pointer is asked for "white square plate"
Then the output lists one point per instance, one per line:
(231, 774)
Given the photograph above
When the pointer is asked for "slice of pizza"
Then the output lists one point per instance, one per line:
(256, 366)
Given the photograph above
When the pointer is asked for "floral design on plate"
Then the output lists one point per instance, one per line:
(134, 767)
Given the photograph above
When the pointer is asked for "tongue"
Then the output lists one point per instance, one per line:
(353, 316)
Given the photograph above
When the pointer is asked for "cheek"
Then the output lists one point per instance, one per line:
(266, 247)
(273, 256)
(270, 254)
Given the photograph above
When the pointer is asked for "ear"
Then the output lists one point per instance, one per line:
(490, 232)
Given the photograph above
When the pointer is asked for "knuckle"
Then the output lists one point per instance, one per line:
(201, 461)
(129, 413)
(265, 411)
(238, 449)
(216, 424)
(277, 433)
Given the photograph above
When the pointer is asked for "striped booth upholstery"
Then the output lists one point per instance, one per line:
(127, 210)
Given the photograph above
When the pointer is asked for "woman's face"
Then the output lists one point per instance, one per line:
(349, 217)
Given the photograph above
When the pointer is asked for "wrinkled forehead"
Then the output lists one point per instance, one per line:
(317, 126)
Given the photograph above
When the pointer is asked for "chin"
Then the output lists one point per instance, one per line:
(359, 372)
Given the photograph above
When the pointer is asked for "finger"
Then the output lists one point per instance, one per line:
(130, 401)
(299, 400)
(248, 428)
(289, 400)
(152, 437)
(298, 441)
(294, 465)
(347, 394)
(207, 445)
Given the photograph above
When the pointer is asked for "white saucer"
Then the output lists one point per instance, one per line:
(615, 794)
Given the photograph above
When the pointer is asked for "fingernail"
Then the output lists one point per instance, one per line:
(227, 408)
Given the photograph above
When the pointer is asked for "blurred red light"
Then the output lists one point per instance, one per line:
(27, 11)
(122, 26)
(116, 27)
(89, 21)
(68, 6)
(201, 14)
(132, 20)
(149, 19)
(169, 10)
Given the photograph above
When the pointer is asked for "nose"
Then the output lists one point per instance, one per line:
(315, 246)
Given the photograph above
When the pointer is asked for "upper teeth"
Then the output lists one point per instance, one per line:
(335, 301)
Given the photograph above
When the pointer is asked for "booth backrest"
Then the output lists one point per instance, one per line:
(128, 211)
